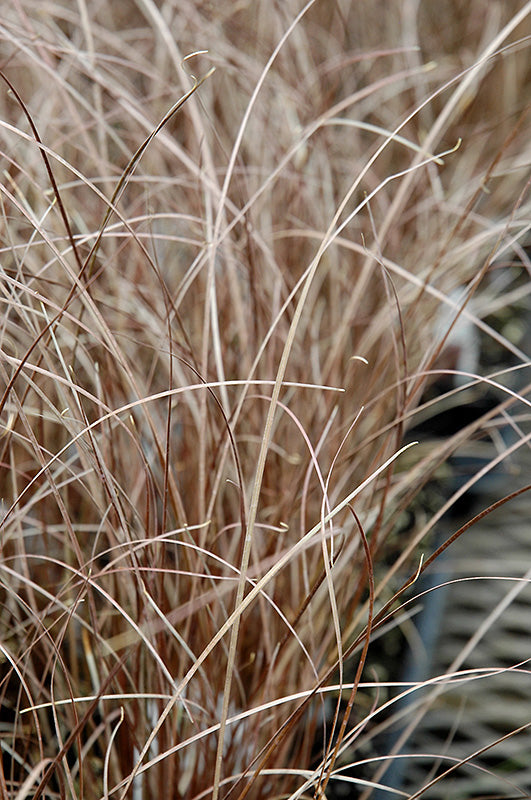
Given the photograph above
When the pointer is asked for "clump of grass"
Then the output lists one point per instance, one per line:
(221, 310)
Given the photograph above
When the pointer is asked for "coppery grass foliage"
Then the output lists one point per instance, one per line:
(213, 341)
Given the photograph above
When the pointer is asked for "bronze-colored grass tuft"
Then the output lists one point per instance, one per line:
(232, 239)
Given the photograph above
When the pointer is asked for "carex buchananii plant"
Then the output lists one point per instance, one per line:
(236, 240)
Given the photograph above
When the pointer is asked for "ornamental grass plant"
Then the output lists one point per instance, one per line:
(246, 248)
